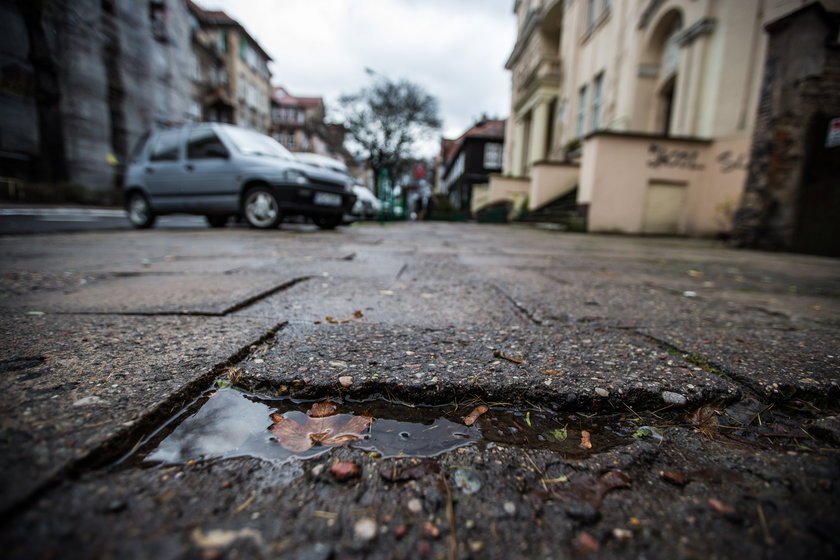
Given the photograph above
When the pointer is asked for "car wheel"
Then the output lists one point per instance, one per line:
(261, 209)
(140, 211)
(327, 222)
(217, 221)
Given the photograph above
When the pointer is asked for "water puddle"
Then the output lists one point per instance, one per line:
(227, 422)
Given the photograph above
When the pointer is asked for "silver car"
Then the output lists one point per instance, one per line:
(220, 171)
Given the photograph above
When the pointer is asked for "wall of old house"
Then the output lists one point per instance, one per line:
(792, 196)
(119, 73)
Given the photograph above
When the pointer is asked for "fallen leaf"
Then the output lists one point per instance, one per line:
(329, 429)
(502, 355)
(322, 409)
(528, 418)
(675, 478)
(470, 419)
(345, 470)
(589, 489)
(585, 441)
(403, 473)
(560, 434)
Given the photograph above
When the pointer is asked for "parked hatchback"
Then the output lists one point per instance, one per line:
(219, 171)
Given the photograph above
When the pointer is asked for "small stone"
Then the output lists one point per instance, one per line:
(689, 294)
(585, 543)
(467, 481)
(345, 470)
(317, 470)
(476, 546)
(400, 531)
(345, 380)
(415, 505)
(602, 392)
(673, 398)
(622, 534)
(509, 507)
(91, 400)
(431, 530)
(365, 529)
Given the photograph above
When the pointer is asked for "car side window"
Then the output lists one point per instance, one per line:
(204, 144)
(166, 147)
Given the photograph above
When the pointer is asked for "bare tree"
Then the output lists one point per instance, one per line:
(387, 118)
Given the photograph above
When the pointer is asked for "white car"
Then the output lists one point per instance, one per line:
(367, 206)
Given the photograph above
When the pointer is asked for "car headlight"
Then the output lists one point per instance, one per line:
(294, 176)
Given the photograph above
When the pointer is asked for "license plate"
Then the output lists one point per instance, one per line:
(327, 199)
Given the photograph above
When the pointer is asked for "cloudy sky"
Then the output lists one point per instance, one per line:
(455, 49)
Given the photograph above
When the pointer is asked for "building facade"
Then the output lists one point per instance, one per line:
(245, 65)
(645, 107)
(468, 162)
(81, 82)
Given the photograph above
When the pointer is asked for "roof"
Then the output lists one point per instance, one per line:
(281, 96)
(493, 129)
(221, 19)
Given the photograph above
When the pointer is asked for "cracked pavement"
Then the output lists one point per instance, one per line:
(107, 335)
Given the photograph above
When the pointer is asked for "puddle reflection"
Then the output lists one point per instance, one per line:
(228, 423)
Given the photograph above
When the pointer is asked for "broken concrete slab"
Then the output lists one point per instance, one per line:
(77, 384)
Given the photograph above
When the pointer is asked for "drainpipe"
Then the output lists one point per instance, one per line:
(756, 38)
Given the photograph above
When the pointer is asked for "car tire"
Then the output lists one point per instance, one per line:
(216, 220)
(139, 211)
(261, 209)
(327, 222)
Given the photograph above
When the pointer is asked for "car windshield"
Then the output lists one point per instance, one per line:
(251, 143)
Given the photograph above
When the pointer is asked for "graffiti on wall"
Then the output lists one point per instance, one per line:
(729, 162)
(673, 158)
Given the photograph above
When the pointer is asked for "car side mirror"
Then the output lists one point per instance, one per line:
(216, 151)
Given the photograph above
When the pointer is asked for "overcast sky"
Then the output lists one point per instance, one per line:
(455, 49)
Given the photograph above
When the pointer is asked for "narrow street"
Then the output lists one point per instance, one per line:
(499, 392)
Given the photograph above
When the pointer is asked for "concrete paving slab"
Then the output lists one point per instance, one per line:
(778, 364)
(154, 294)
(569, 367)
(536, 504)
(80, 383)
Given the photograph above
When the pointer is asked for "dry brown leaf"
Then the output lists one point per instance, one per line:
(470, 419)
(321, 409)
(585, 441)
(327, 429)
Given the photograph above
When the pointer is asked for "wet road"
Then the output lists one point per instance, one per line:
(716, 367)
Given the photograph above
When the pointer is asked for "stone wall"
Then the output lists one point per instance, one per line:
(117, 76)
(783, 199)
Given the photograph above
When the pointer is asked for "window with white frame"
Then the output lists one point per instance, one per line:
(598, 87)
(581, 116)
(492, 155)
(590, 14)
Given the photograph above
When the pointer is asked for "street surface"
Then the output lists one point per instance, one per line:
(599, 396)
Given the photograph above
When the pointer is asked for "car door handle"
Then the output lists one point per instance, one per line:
(189, 167)
(150, 170)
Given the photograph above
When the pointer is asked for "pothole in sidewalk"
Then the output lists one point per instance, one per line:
(228, 422)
